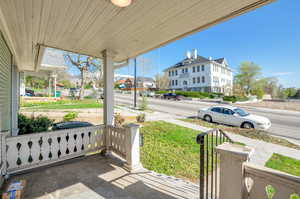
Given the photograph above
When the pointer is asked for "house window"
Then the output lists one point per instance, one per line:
(186, 70)
(169, 73)
(202, 68)
(194, 69)
(183, 70)
(198, 80)
(176, 72)
(203, 79)
(216, 80)
(194, 80)
(172, 82)
(176, 82)
(198, 68)
(172, 73)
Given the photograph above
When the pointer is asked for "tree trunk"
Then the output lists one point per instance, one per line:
(81, 93)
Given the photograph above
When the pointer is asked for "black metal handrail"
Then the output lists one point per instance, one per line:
(209, 172)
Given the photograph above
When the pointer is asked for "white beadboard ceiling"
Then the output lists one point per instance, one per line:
(90, 26)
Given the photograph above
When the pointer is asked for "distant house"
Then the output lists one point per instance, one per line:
(142, 83)
(146, 82)
(197, 73)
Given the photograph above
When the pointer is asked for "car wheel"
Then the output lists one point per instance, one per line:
(207, 118)
(247, 125)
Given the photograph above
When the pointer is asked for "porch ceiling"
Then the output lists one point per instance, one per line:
(90, 26)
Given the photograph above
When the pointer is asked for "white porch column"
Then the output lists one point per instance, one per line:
(22, 83)
(132, 146)
(49, 86)
(108, 72)
(232, 157)
(15, 92)
(54, 76)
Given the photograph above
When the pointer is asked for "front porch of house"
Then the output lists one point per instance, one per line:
(98, 177)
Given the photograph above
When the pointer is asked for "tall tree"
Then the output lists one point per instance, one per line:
(290, 92)
(162, 81)
(84, 64)
(248, 74)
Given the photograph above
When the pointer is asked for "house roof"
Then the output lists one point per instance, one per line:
(53, 60)
(190, 61)
(220, 60)
(91, 26)
(145, 79)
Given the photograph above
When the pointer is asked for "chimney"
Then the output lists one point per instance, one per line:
(210, 58)
(195, 53)
(188, 54)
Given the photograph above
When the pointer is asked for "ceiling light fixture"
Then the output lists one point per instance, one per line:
(121, 3)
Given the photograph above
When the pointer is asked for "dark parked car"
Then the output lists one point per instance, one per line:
(70, 125)
(173, 96)
(29, 93)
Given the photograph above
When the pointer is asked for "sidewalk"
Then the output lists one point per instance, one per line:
(263, 150)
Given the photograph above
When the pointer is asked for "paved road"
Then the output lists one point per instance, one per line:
(284, 123)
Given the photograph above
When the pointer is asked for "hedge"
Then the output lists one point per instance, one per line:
(234, 99)
(194, 94)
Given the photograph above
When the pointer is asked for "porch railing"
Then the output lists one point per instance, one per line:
(117, 137)
(209, 162)
(262, 182)
(39, 149)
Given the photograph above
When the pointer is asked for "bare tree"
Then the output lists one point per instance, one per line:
(162, 81)
(84, 64)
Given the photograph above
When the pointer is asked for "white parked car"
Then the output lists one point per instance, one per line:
(234, 116)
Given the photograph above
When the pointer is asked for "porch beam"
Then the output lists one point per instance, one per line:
(108, 73)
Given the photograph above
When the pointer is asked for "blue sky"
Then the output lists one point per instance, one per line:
(268, 36)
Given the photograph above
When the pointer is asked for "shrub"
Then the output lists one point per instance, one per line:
(216, 95)
(141, 118)
(70, 116)
(144, 103)
(230, 99)
(119, 120)
(259, 92)
(33, 124)
(161, 92)
(242, 98)
(234, 99)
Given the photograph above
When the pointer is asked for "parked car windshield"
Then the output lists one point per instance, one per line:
(241, 112)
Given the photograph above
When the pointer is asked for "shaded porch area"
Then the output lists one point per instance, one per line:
(98, 177)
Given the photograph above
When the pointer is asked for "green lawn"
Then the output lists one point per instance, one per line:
(285, 164)
(63, 104)
(171, 149)
(254, 134)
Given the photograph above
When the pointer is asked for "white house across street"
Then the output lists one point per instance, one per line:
(197, 73)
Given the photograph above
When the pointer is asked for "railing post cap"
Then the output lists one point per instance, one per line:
(132, 125)
(237, 150)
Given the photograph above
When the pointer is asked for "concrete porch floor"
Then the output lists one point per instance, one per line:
(97, 177)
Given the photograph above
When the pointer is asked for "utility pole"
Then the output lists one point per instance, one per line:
(135, 82)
